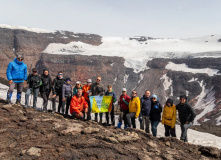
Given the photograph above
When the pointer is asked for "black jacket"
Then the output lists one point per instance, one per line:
(57, 85)
(46, 83)
(155, 113)
(186, 113)
(34, 81)
(145, 103)
(97, 89)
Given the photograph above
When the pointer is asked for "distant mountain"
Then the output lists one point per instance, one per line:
(166, 67)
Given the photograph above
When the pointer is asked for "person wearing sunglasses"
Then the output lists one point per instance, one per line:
(34, 82)
(57, 91)
(16, 75)
(76, 87)
(155, 114)
(186, 116)
(134, 109)
(97, 88)
(86, 90)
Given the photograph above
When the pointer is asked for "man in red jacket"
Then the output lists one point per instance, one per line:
(123, 102)
(79, 105)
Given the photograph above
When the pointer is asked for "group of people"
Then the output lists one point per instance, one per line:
(76, 99)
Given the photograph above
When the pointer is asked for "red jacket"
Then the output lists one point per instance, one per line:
(78, 105)
(123, 105)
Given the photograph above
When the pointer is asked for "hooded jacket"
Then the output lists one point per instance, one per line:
(186, 112)
(145, 105)
(34, 81)
(78, 105)
(156, 109)
(17, 71)
(169, 114)
(66, 90)
(85, 89)
(134, 106)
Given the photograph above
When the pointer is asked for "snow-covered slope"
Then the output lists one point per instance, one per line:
(137, 53)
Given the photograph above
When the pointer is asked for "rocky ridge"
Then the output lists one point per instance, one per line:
(29, 134)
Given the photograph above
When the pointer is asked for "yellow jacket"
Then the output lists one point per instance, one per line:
(169, 115)
(134, 106)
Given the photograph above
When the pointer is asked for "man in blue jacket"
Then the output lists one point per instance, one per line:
(16, 75)
(144, 117)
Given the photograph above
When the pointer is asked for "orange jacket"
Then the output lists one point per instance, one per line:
(85, 89)
(78, 105)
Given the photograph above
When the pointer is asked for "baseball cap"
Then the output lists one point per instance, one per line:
(124, 90)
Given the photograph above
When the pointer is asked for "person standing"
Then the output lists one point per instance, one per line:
(86, 90)
(77, 86)
(186, 116)
(34, 82)
(134, 109)
(169, 118)
(144, 117)
(155, 114)
(97, 88)
(56, 90)
(123, 102)
(110, 92)
(16, 74)
(66, 95)
(45, 88)
(78, 106)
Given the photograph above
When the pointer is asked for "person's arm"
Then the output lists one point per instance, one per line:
(40, 83)
(53, 87)
(192, 113)
(63, 92)
(114, 97)
(174, 117)
(138, 108)
(25, 72)
(8, 72)
(163, 119)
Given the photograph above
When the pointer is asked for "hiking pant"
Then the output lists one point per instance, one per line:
(122, 116)
(96, 118)
(145, 122)
(59, 104)
(131, 119)
(45, 96)
(184, 128)
(154, 125)
(67, 102)
(112, 116)
(19, 90)
(169, 131)
(35, 96)
(89, 111)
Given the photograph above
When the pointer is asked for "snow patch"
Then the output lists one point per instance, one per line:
(184, 68)
(125, 78)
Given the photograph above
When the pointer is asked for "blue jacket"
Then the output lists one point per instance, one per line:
(145, 103)
(17, 71)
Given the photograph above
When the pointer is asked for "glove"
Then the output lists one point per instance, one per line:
(101, 94)
(156, 107)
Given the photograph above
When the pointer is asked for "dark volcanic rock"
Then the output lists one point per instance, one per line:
(47, 136)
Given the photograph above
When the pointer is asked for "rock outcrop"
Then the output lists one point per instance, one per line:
(29, 134)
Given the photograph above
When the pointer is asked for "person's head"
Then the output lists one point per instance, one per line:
(98, 80)
(60, 74)
(78, 84)
(154, 98)
(124, 91)
(45, 72)
(134, 93)
(109, 87)
(20, 58)
(147, 93)
(183, 99)
(79, 93)
(89, 81)
(34, 71)
(169, 102)
(68, 80)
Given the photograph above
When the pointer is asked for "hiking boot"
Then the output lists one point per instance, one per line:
(119, 125)
(25, 106)
(18, 102)
(53, 112)
(100, 122)
(8, 101)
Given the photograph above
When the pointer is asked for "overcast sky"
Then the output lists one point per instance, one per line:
(154, 18)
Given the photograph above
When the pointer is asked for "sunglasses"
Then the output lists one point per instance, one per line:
(34, 71)
(77, 84)
(134, 93)
(20, 59)
(60, 74)
(153, 98)
(98, 80)
(88, 82)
